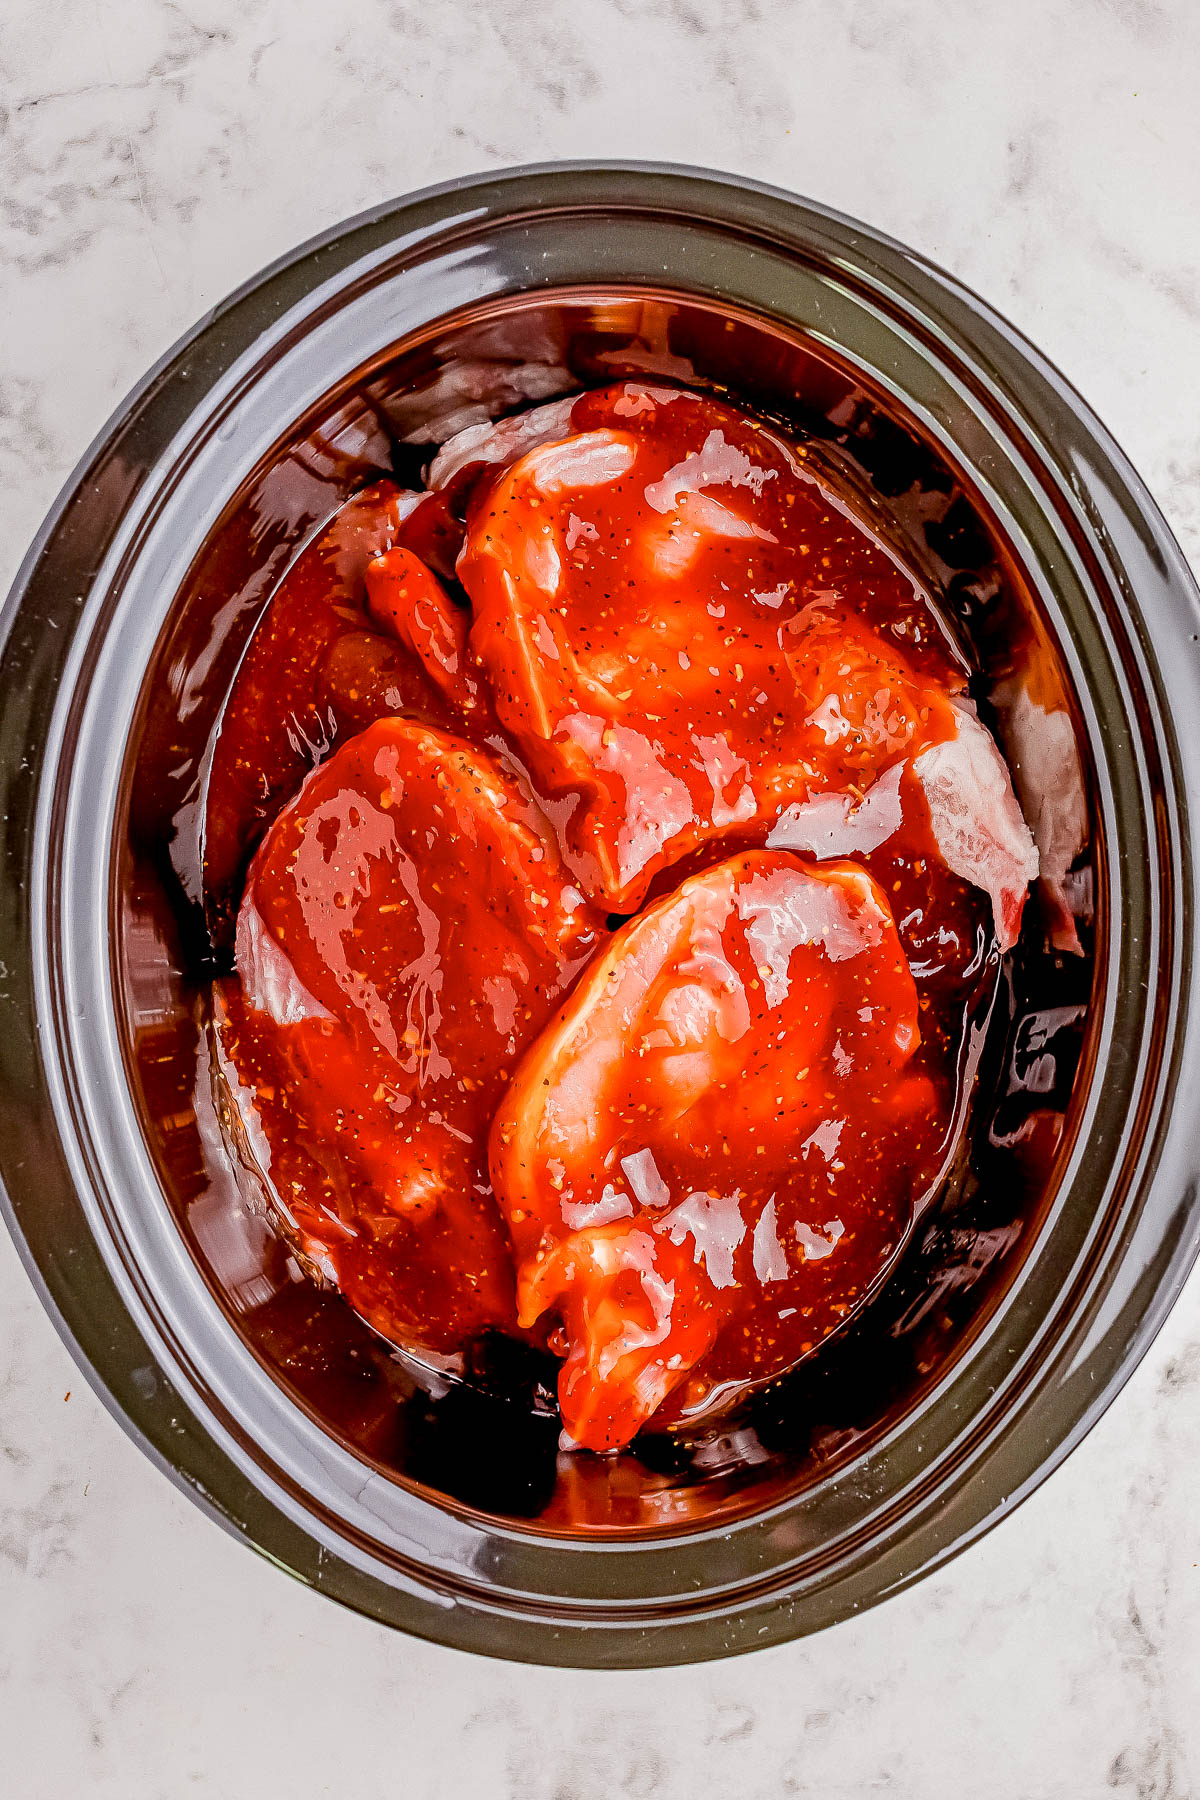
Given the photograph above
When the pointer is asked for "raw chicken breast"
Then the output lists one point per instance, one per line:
(691, 639)
(709, 1158)
(407, 929)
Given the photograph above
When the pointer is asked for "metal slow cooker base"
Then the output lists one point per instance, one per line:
(84, 1199)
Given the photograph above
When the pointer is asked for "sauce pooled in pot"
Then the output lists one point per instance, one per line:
(604, 963)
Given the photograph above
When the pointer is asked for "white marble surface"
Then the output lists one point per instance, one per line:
(155, 152)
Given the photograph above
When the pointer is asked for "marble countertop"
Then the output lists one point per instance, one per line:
(152, 155)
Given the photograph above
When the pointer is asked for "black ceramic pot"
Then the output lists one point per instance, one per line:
(1015, 1317)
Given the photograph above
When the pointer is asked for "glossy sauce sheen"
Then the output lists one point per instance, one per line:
(406, 931)
(715, 1150)
(682, 629)
(690, 685)
(319, 668)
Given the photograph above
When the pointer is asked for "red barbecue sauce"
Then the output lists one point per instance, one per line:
(681, 1151)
